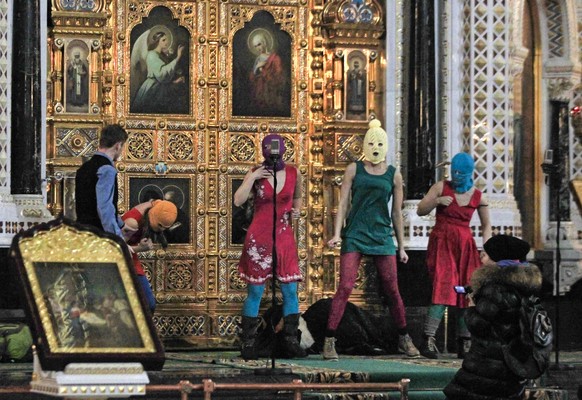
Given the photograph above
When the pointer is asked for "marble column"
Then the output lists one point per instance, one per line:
(422, 102)
(26, 99)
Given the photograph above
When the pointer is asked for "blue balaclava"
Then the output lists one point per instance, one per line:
(462, 166)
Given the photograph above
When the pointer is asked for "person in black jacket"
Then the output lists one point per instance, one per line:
(96, 183)
(499, 361)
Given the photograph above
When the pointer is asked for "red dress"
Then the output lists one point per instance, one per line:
(136, 237)
(256, 259)
(452, 254)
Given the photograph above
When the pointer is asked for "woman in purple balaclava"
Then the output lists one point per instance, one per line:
(255, 265)
(452, 254)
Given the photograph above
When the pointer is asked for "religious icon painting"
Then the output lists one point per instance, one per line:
(261, 69)
(159, 65)
(356, 86)
(84, 306)
(77, 77)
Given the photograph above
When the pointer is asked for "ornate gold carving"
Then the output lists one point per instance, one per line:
(179, 275)
(180, 146)
(140, 145)
(235, 281)
(242, 148)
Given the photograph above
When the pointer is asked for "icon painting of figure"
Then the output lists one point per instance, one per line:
(77, 82)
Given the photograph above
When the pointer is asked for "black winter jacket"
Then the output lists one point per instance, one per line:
(494, 323)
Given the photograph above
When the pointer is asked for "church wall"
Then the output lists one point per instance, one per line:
(202, 145)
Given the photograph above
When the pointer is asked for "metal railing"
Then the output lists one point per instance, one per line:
(297, 387)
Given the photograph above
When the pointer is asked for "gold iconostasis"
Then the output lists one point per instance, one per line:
(198, 85)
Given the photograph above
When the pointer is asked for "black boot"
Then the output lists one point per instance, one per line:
(248, 350)
(429, 348)
(291, 346)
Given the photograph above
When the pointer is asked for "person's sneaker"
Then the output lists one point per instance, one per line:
(429, 348)
(405, 346)
(463, 346)
(329, 352)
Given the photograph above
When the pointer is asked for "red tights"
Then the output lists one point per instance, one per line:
(386, 267)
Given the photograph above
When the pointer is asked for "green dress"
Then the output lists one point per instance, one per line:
(368, 229)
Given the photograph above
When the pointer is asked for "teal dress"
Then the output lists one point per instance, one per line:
(368, 228)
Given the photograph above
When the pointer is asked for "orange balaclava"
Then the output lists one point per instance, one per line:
(162, 215)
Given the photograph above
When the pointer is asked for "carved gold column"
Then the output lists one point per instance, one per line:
(338, 81)
(95, 77)
(57, 75)
(107, 81)
(372, 82)
(315, 183)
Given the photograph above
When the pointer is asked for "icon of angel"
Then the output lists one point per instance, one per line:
(157, 81)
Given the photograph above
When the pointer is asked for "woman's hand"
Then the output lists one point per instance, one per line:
(334, 242)
(145, 244)
(261, 173)
(403, 256)
(295, 213)
(444, 201)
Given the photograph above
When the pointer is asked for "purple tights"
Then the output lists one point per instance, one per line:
(386, 267)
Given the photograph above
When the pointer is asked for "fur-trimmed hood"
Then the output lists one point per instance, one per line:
(525, 277)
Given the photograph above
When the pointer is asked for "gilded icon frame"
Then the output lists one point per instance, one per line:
(80, 309)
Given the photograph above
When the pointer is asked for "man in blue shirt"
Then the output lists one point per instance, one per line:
(96, 190)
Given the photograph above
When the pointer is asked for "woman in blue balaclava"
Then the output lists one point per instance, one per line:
(452, 253)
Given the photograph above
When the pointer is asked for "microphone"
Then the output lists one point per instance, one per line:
(275, 149)
(442, 164)
(549, 166)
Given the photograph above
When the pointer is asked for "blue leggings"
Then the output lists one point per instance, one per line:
(255, 292)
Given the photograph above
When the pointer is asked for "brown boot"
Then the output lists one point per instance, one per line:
(406, 346)
(329, 352)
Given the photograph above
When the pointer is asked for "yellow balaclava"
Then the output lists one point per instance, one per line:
(375, 143)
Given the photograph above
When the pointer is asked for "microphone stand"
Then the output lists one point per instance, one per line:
(273, 370)
(554, 171)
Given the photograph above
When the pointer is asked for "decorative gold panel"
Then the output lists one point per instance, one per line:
(195, 130)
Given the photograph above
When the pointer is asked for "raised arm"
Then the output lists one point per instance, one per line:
(432, 199)
(244, 190)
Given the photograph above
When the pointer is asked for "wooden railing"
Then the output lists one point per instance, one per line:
(297, 387)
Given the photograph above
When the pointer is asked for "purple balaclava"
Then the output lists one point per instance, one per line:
(266, 147)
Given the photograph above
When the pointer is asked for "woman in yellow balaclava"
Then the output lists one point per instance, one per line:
(368, 230)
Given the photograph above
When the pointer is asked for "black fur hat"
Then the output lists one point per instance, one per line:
(504, 247)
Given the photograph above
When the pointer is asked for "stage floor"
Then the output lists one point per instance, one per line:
(428, 377)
